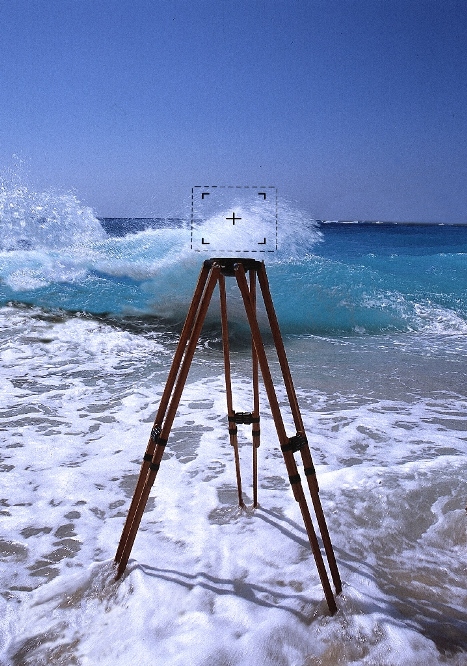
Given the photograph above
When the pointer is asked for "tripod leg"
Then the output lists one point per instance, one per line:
(167, 425)
(255, 430)
(300, 497)
(286, 447)
(279, 344)
(323, 528)
(184, 336)
(228, 387)
(305, 450)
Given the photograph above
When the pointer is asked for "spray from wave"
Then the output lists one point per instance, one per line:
(45, 220)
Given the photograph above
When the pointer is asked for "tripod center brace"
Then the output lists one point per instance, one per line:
(213, 272)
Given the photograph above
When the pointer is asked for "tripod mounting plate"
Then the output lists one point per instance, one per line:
(227, 264)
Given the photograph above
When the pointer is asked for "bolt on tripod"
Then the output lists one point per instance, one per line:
(213, 272)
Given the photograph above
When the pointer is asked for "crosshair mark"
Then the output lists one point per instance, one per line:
(233, 218)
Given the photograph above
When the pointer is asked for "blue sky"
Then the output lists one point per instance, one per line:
(353, 109)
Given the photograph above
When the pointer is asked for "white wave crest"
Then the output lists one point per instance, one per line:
(36, 220)
(440, 321)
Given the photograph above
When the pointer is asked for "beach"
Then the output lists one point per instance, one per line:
(374, 321)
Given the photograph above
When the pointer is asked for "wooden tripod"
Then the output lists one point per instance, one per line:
(213, 272)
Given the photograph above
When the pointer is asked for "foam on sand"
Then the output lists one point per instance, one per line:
(207, 582)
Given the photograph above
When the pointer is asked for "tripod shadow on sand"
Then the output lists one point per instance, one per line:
(257, 594)
(267, 597)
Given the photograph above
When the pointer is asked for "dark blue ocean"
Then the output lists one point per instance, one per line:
(374, 318)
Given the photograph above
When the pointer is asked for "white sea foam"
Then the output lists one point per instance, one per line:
(440, 321)
(207, 582)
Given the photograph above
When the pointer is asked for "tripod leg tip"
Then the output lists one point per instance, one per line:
(120, 570)
(332, 607)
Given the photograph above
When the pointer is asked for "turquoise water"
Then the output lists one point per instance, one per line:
(328, 279)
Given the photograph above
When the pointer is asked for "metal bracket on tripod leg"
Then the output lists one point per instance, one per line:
(246, 418)
(243, 418)
(295, 443)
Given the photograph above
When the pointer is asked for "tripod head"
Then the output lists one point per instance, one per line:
(227, 264)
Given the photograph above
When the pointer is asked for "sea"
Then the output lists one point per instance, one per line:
(374, 322)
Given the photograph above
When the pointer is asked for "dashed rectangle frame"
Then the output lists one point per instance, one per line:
(236, 187)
